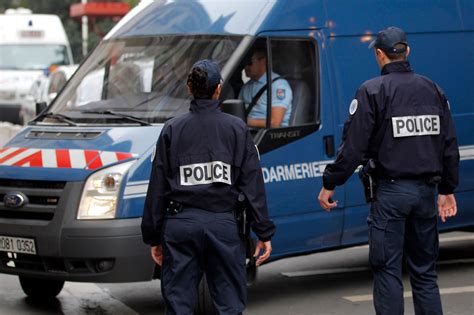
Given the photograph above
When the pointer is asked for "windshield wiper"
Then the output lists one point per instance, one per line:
(60, 117)
(123, 116)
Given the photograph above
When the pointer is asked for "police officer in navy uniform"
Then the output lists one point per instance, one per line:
(401, 120)
(204, 159)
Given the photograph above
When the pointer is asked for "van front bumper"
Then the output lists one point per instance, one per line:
(77, 250)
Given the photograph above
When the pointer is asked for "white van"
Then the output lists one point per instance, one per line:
(29, 44)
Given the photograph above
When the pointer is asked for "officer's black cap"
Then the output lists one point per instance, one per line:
(388, 38)
(212, 70)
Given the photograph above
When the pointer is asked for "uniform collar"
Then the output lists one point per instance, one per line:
(396, 66)
(263, 78)
(200, 106)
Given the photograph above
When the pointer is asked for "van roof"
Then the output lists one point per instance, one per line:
(251, 17)
(31, 29)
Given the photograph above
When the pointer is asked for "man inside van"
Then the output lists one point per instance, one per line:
(254, 94)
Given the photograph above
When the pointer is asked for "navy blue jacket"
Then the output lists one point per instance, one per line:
(204, 159)
(403, 121)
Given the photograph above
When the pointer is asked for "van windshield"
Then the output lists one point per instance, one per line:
(144, 78)
(32, 57)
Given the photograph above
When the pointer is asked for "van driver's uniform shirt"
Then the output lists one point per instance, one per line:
(403, 121)
(282, 96)
(203, 160)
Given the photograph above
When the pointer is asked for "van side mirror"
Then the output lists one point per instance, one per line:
(234, 107)
(40, 107)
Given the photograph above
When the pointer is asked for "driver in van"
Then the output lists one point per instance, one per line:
(254, 93)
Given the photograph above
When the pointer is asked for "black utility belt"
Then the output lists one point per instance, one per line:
(430, 180)
(175, 207)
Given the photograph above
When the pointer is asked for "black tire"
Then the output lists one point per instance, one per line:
(204, 306)
(36, 288)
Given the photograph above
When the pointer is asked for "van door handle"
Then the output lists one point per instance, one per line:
(329, 145)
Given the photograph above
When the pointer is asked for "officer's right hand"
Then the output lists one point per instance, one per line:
(157, 254)
(325, 199)
(446, 206)
(267, 247)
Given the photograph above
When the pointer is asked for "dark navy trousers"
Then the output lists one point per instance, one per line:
(403, 221)
(195, 242)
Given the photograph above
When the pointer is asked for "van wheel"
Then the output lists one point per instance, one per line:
(41, 288)
(204, 305)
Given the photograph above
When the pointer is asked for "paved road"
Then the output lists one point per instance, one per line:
(336, 282)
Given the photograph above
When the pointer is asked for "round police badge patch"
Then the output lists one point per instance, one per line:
(353, 107)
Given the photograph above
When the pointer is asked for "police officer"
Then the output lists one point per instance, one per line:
(282, 95)
(403, 121)
(203, 160)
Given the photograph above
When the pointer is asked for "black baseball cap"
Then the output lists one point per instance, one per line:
(388, 38)
(212, 70)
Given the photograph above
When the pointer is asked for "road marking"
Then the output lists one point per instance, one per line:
(456, 238)
(441, 240)
(319, 272)
(295, 274)
(455, 261)
(87, 298)
(407, 294)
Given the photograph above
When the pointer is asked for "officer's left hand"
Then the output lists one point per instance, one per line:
(325, 199)
(157, 254)
(267, 246)
(447, 206)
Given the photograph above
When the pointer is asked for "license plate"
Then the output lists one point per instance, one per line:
(17, 245)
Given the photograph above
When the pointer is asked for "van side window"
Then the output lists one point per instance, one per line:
(294, 60)
(293, 86)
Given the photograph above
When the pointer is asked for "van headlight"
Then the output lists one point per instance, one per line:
(100, 193)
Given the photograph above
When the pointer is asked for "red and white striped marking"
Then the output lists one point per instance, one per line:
(60, 158)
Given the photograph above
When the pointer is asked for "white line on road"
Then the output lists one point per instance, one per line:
(294, 274)
(319, 272)
(441, 240)
(305, 273)
(407, 294)
(87, 298)
(456, 238)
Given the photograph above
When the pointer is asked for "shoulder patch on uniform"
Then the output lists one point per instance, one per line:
(280, 94)
(353, 107)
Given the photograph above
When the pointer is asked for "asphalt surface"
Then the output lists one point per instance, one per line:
(336, 282)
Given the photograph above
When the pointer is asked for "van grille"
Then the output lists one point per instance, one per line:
(42, 199)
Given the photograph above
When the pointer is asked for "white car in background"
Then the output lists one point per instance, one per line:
(44, 89)
(29, 44)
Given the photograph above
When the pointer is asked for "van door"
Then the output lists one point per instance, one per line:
(294, 156)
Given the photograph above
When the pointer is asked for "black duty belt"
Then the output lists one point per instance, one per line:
(429, 179)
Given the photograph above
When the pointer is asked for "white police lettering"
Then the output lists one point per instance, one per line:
(410, 126)
(205, 173)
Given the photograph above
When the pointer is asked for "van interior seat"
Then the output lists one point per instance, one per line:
(300, 107)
